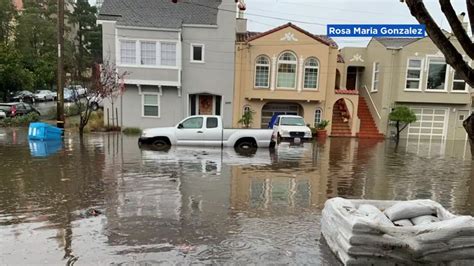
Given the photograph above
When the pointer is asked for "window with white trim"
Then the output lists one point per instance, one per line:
(168, 53)
(318, 114)
(286, 76)
(458, 83)
(148, 53)
(197, 53)
(128, 52)
(413, 77)
(436, 74)
(311, 69)
(262, 72)
(151, 105)
(375, 77)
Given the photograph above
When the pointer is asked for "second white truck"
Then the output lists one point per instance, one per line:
(207, 130)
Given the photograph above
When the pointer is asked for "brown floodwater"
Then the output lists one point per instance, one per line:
(105, 201)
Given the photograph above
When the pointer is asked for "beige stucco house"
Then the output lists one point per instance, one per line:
(288, 70)
(411, 72)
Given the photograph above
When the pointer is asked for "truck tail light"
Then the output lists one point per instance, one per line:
(13, 110)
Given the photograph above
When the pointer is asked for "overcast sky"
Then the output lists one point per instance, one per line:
(314, 15)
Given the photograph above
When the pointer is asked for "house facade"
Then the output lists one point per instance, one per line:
(179, 59)
(288, 70)
(411, 72)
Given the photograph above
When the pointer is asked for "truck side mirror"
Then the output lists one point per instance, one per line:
(180, 126)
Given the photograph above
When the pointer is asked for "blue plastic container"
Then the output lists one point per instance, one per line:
(43, 131)
(40, 148)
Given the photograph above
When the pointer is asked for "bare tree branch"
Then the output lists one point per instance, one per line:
(470, 13)
(456, 26)
(452, 55)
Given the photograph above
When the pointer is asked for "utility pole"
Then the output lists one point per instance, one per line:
(60, 85)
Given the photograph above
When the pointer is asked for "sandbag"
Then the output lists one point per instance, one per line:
(374, 214)
(424, 219)
(410, 209)
(403, 223)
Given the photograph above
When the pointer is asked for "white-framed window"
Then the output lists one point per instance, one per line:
(151, 105)
(413, 77)
(168, 53)
(286, 76)
(197, 53)
(262, 72)
(318, 114)
(311, 71)
(437, 69)
(458, 83)
(375, 76)
(128, 52)
(150, 53)
(147, 53)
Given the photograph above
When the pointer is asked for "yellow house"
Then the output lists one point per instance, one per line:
(288, 70)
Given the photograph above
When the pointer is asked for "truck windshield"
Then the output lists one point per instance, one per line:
(292, 121)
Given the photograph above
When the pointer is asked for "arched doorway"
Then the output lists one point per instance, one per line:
(341, 117)
(270, 109)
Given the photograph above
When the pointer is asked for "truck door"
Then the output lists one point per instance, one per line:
(212, 132)
(190, 131)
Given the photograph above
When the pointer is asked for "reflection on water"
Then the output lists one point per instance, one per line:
(194, 205)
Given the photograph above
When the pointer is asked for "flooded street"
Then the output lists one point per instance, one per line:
(106, 201)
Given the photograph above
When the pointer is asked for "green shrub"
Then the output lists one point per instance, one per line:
(19, 121)
(132, 131)
(322, 125)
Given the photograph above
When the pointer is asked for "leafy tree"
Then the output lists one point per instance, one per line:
(87, 38)
(402, 116)
(7, 14)
(13, 76)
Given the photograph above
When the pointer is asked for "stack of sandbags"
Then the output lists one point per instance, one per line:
(362, 231)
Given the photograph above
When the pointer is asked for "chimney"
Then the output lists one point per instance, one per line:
(241, 24)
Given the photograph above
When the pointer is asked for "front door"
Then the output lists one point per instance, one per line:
(460, 132)
(190, 131)
(351, 83)
(205, 104)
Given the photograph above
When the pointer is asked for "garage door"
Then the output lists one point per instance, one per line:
(431, 123)
(270, 109)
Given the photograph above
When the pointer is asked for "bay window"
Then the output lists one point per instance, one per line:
(413, 77)
(128, 52)
(311, 68)
(286, 76)
(458, 83)
(436, 74)
(150, 53)
(262, 72)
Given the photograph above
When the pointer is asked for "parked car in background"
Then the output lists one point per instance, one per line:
(70, 95)
(45, 95)
(17, 109)
(23, 96)
(291, 128)
(2, 114)
(96, 102)
(81, 91)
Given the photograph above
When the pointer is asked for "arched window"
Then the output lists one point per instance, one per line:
(246, 109)
(262, 72)
(311, 69)
(318, 115)
(286, 71)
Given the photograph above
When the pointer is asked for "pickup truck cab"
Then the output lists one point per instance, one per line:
(292, 128)
(206, 130)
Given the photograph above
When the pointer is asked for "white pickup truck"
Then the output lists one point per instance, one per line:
(206, 130)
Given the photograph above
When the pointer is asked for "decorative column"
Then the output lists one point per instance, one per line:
(299, 79)
(273, 73)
